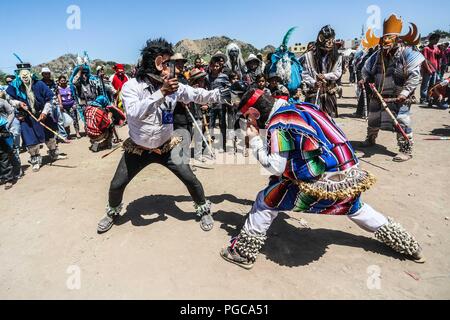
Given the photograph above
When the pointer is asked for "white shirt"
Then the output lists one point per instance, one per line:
(144, 110)
(275, 163)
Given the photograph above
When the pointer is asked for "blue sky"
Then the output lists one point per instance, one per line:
(117, 29)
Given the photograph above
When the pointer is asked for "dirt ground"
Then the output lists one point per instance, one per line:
(157, 250)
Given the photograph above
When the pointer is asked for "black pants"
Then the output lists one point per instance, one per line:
(6, 168)
(131, 164)
(220, 114)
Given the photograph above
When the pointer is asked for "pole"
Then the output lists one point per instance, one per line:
(54, 132)
(438, 139)
(389, 112)
(111, 152)
(200, 131)
(205, 123)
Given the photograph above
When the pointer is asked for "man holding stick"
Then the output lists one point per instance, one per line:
(38, 121)
(149, 101)
(395, 71)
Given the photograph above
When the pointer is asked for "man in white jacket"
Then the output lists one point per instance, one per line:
(149, 101)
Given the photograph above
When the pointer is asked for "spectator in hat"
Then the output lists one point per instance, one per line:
(253, 69)
(182, 121)
(197, 79)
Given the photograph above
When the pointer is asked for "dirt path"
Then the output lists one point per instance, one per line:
(159, 252)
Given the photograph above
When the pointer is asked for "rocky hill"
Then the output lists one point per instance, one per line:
(65, 64)
(207, 47)
(204, 48)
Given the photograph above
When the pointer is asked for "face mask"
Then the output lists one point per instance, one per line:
(25, 76)
(326, 44)
(234, 53)
(389, 42)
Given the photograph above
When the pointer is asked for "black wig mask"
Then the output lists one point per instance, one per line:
(152, 50)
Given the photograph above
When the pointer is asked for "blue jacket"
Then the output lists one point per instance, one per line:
(42, 93)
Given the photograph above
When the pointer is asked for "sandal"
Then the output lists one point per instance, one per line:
(232, 256)
(207, 222)
(401, 157)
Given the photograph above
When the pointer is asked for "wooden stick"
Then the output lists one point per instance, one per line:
(55, 133)
(208, 133)
(389, 112)
(438, 139)
(111, 152)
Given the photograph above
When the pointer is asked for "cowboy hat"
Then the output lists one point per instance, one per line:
(252, 57)
(221, 55)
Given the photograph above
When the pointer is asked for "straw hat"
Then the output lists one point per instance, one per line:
(178, 57)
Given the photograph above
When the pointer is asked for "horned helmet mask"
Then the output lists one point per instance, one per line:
(391, 38)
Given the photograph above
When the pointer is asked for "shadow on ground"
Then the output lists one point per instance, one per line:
(369, 152)
(287, 245)
(442, 132)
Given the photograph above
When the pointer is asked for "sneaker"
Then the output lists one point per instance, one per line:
(36, 167)
(112, 214)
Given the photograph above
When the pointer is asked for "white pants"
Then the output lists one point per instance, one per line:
(261, 218)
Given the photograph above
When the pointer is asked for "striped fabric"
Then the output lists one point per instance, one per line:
(406, 61)
(309, 134)
(97, 122)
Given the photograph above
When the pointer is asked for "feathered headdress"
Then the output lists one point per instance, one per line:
(287, 37)
(285, 65)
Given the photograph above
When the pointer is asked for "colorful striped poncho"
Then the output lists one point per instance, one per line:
(316, 147)
(314, 141)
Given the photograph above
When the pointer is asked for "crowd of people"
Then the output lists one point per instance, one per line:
(166, 103)
(94, 100)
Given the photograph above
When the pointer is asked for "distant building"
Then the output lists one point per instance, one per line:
(352, 44)
(298, 48)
